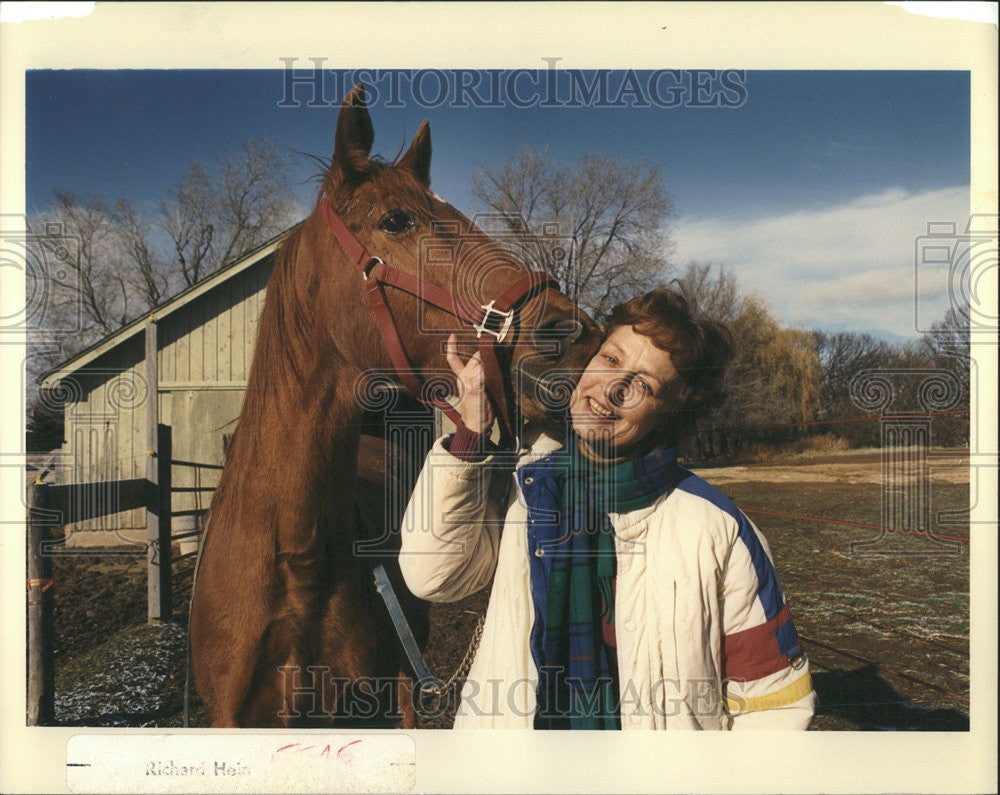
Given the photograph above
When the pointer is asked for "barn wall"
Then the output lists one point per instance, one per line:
(105, 433)
(199, 418)
(210, 341)
(204, 356)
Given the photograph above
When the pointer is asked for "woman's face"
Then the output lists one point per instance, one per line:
(624, 392)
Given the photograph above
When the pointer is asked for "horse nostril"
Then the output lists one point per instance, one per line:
(554, 335)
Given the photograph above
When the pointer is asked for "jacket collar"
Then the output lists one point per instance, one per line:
(539, 446)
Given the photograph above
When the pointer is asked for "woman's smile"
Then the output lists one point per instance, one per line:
(624, 392)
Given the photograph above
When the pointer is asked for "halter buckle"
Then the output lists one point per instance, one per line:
(369, 265)
(489, 309)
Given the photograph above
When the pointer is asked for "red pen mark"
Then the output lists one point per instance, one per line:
(283, 748)
(340, 751)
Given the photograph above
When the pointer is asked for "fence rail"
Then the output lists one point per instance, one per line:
(54, 505)
(77, 502)
(178, 463)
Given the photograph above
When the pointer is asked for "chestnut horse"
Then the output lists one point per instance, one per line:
(284, 620)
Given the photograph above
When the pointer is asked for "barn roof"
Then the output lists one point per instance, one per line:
(50, 378)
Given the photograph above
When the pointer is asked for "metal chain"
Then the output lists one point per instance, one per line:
(463, 669)
(439, 691)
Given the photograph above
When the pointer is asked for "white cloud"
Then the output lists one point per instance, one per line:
(847, 266)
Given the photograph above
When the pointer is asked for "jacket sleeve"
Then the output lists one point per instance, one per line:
(765, 672)
(451, 528)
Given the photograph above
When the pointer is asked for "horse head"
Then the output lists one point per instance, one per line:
(426, 271)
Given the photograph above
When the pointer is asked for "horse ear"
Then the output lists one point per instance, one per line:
(355, 132)
(418, 157)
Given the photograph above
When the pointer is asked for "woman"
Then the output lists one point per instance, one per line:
(627, 592)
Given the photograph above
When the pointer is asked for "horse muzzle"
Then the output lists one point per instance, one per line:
(544, 377)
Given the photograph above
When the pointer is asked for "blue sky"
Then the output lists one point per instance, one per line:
(813, 187)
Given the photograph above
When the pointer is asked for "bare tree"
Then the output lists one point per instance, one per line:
(948, 341)
(146, 274)
(90, 278)
(214, 216)
(843, 355)
(99, 265)
(717, 296)
(948, 346)
(597, 225)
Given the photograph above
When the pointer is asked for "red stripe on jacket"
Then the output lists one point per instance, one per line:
(753, 653)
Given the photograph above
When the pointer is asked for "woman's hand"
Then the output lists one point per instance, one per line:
(474, 404)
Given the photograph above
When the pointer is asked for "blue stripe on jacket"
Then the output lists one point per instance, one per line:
(768, 587)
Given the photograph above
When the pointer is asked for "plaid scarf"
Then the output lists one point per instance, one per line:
(579, 687)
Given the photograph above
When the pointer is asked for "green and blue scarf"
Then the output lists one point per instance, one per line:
(578, 686)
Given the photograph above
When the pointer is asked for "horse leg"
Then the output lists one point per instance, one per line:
(362, 654)
(225, 637)
(404, 697)
(285, 693)
(236, 693)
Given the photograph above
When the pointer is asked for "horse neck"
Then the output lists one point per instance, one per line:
(299, 421)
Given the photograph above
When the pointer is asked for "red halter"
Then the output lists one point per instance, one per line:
(491, 321)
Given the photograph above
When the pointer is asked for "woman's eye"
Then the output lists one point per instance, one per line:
(396, 221)
(610, 359)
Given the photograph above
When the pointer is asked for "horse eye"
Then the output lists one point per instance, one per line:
(396, 221)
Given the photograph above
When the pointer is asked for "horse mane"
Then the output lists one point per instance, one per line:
(285, 332)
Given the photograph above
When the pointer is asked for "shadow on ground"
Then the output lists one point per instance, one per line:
(865, 699)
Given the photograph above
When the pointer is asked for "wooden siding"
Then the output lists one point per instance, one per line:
(204, 357)
(211, 340)
(105, 430)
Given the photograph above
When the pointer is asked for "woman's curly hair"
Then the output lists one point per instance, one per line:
(700, 349)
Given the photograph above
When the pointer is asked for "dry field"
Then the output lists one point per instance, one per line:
(884, 616)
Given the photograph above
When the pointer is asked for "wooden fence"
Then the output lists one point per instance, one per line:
(54, 505)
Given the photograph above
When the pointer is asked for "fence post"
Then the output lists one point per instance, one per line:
(154, 592)
(41, 674)
(164, 446)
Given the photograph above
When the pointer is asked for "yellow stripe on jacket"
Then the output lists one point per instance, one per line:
(789, 694)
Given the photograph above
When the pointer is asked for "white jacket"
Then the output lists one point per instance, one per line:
(703, 637)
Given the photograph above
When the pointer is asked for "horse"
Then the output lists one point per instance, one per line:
(284, 623)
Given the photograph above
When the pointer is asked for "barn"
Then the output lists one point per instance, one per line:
(202, 342)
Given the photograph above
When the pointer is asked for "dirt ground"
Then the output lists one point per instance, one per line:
(884, 617)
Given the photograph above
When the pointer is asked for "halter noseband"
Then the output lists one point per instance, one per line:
(491, 321)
